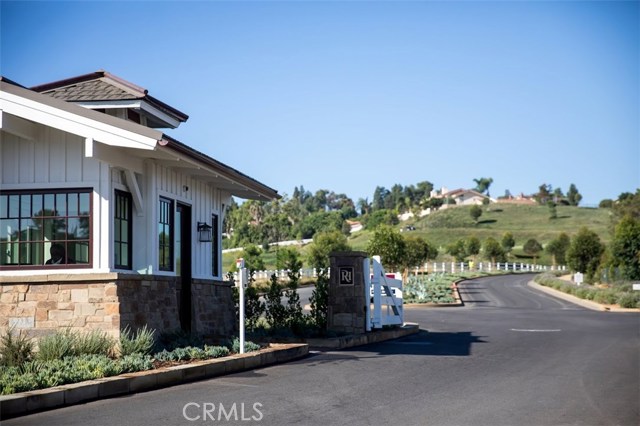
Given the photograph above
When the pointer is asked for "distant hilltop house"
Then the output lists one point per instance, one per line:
(105, 221)
(460, 197)
(354, 226)
(518, 199)
(455, 198)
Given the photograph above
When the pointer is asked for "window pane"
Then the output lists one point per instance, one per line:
(125, 261)
(4, 206)
(85, 203)
(8, 253)
(25, 206)
(61, 204)
(79, 252)
(72, 204)
(49, 205)
(78, 228)
(29, 230)
(36, 205)
(55, 229)
(14, 206)
(125, 232)
(9, 229)
(36, 251)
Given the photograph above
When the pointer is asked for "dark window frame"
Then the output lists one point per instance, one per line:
(33, 247)
(215, 245)
(166, 222)
(125, 216)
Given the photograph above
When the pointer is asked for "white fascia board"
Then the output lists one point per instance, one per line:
(135, 103)
(145, 106)
(109, 104)
(72, 123)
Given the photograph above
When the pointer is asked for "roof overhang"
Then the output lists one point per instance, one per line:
(20, 107)
(194, 163)
(74, 119)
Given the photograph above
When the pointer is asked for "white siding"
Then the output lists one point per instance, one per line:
(55, 158)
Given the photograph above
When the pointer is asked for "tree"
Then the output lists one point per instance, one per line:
(472, 246)
(388, 243)
(457, 250)
(585, 252)
(508, 242)
(252, 258)
(544, 194)
(573, 195)
(417, 252)
(558, 247)
(475, 212)
(532, 247)
(492, 250)
(379, 217)
(553, 212)
(625, 247)
(323, 244)
(483, 184)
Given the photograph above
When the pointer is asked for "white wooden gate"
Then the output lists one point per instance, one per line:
(384, 295)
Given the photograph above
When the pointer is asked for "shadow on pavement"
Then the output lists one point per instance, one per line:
(425, 343)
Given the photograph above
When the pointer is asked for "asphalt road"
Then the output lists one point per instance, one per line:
(511, 356)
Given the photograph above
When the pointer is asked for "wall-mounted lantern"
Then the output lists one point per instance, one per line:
(204, 232)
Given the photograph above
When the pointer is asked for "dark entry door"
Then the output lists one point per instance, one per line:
(183, 262)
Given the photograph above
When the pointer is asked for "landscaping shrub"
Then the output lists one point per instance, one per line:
(607, 297)
(39, 375)
(177, 339)
(56, 346)
(190, 352)
(95, 342)
(433, 288)
(141, 342)
(234, 346)
(628, 300)
(15, 350)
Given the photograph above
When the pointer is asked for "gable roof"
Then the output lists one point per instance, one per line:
(18, 101)
(104, 86)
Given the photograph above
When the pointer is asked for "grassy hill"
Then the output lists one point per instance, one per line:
(446, 226)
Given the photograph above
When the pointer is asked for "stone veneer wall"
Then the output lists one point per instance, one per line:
(37, 305)
(214, 313)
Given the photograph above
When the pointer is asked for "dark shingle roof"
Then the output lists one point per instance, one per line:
(93, 90)
(102, 86)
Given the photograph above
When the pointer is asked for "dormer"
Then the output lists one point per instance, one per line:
(107, 93)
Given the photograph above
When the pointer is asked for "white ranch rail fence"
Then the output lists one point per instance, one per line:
(452, 267)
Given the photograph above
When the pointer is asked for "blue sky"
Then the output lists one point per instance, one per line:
(348, 96)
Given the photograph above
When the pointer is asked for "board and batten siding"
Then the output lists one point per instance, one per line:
(55, 158)
(204, 200)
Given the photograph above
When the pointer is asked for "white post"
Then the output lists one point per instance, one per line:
(366, 271)
(243, 283)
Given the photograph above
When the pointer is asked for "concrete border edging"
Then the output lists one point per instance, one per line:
(19, 404)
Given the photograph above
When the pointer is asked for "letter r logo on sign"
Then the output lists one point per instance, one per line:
(345, 276)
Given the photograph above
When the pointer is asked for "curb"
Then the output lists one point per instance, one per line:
(20, 404)
(363, 339)
(589, 304)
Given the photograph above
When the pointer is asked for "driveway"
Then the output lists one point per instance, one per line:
(510, 356)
